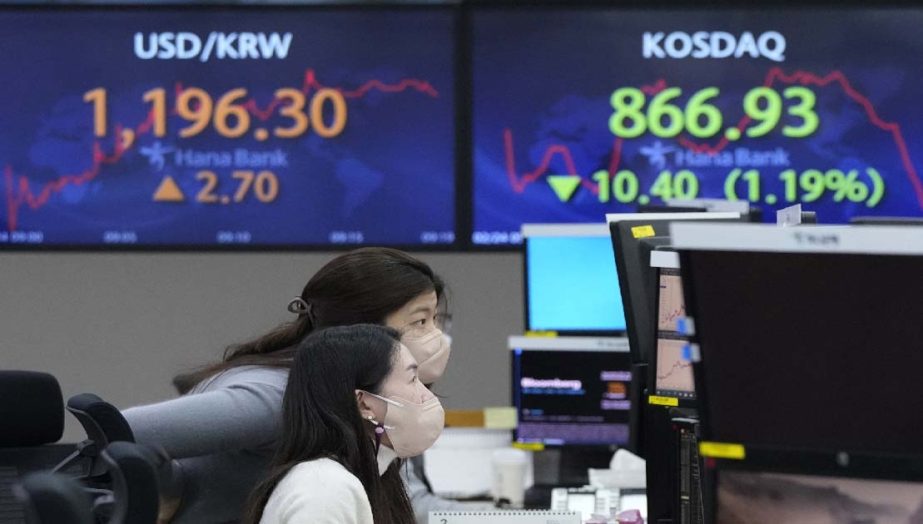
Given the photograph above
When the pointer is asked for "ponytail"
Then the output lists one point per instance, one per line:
(274, 349)
(361, 286)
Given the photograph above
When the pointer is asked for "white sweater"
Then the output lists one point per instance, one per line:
(319, 491)
(224, 435)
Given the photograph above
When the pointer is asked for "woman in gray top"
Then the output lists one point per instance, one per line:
(223, 430)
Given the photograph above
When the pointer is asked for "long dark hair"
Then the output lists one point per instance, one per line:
(361, 286)
(321, 419)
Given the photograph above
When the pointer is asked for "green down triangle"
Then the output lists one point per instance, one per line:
(564, 185)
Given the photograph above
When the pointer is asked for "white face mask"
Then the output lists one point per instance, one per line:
(412, 427)
(385, 457)
(431, 351)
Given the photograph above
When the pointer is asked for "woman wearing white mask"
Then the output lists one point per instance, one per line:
(353, 408)
(224, 429)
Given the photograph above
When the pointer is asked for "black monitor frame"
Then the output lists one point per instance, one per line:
(846, 459)
(636, 281)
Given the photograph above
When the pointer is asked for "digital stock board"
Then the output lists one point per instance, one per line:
(316, 126)
(208, 127)
(582, 112)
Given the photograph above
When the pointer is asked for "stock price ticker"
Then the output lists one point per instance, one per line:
(627, 108)
(207, 127)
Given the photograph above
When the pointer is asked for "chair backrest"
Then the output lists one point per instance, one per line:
(134, 484)
(31, 409)
(49, 498)
(16, 463)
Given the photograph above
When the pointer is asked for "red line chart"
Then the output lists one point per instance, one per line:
(677, 367)
(670, 316)
(18, 187)
(520, 181)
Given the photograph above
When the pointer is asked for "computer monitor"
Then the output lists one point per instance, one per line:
(755, 497)
(570, 282)
(808, 338)
(633, 236)
(672, 368)
(571, 391)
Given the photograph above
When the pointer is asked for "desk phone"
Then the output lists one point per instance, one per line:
(585, 500)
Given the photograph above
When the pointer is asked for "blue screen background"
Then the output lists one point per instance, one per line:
(543, 80)
(572, 284)
(388, 178)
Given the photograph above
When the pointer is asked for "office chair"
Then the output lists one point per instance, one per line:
(50, 498)
(134, 483)
(31, 421)
(103, 424)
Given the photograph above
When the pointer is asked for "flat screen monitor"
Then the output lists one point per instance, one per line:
(571, 286)
(220, 127)
(634, 236)
(672, 366)
(807, 335)
(749, 497)
(599, 109)
(571, 391)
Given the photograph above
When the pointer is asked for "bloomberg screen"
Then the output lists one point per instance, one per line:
(204, 127)
(568, 397)
(581, 112)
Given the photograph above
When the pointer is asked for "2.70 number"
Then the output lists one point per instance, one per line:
(264, 186)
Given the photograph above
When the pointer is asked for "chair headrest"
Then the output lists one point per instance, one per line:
(31, 409)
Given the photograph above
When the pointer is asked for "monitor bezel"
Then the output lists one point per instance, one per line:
(730, 238)
(865, 240)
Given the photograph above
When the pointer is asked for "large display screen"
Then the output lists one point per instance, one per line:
(209, 127)
(581, 112)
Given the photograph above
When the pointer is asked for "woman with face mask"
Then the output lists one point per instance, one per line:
(353, 408)
(224, 429)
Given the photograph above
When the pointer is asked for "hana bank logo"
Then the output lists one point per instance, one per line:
(713, 44)
(220, 46)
